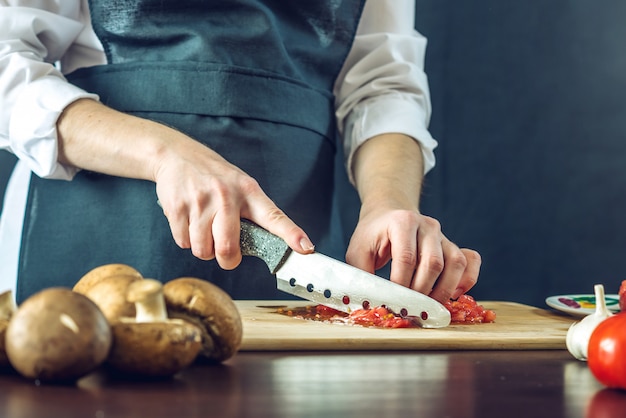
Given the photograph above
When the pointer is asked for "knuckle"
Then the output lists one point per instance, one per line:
(434, 264)
(473, 257)
(432, 223)
(457, 261)
(405, 217)
(470, 281)
(182, 243)
(249, 185)
(226, 251)
(276, 214)
(202, 253)
(178, 209)
(408, 257)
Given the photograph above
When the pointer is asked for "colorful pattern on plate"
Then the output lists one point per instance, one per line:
(587, 302)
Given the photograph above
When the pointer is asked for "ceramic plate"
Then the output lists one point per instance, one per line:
(581, 305)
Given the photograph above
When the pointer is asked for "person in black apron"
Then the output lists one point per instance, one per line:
(251, 82)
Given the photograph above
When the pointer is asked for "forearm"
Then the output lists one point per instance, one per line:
(94, 137)
(389, 167)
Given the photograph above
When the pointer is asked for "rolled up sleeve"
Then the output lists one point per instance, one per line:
(382, 87)
(33, 91)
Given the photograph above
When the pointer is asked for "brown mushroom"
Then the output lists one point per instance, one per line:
(212, 309)
(57, 335)
(7, 309)
(151, 345)
(109, 294)
(101, 272)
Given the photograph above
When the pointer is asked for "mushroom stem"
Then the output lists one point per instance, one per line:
(147, 295)
(7, 305)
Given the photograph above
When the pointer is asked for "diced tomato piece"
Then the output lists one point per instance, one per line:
(326, 310)
(465, 310)
(379, 317)
(490, 316)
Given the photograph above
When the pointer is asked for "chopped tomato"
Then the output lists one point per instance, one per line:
(465, 310)
(326, 310)
(380, 317)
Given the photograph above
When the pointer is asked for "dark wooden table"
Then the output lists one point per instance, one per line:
(503, 384)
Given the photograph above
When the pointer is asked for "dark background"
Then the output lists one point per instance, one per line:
(529, 108)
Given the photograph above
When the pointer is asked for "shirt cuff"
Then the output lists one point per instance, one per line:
(395, 113)
(32, 128)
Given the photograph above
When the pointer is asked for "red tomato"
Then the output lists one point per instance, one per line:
(607, 351)
(622, 296)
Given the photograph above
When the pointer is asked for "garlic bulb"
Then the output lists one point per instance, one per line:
(579, 333)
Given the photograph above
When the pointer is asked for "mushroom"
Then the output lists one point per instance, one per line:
(7, 309)
(57, 335)
(110, 295)
(206, 305)
(99, 273)
(151, 345)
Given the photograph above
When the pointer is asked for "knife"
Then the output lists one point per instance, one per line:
(326, 281)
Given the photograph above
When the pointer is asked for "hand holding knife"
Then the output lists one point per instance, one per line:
(323, 280)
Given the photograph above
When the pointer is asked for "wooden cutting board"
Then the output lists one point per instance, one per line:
(517, 327)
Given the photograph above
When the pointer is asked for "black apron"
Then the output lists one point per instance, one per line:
(253, 80)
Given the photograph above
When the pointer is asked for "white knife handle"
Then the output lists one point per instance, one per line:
(258, 242)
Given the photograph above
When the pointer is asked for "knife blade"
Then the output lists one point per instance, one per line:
(326, 281)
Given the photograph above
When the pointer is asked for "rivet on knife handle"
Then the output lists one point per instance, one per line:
(258, 242)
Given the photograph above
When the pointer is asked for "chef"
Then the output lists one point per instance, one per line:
(217, 110)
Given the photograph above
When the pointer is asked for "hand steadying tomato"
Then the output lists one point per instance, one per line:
(607, 351)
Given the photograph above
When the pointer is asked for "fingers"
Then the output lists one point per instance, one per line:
(362, 256)
(431, 259)
(470, 276)
(227, 248)
(210, 224)
(423, 259)
(453, 269)
(179, 225)
(267, 215)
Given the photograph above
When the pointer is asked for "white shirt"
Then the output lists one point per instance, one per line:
(381, 88)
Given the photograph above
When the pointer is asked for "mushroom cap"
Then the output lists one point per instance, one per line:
(97, 274)
(212, 309)
(57, 335)
(153, 349)
(109, 294)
